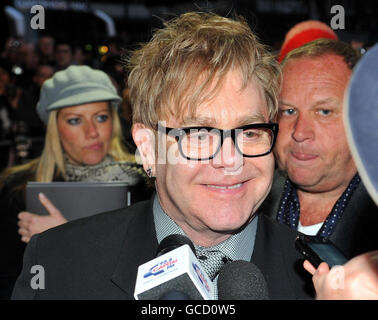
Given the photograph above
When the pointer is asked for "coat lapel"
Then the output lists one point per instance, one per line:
(276, 257)
(356, 233)
(139, 246)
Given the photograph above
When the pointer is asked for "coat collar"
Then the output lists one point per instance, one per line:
(275, 256)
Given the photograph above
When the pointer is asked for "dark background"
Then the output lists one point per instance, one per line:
(75, 22)
(135, 19)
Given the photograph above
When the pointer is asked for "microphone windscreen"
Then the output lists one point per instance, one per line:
(242, 280)
(172, 242)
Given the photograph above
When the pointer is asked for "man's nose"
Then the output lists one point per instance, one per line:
(303, 128)
(228, 157)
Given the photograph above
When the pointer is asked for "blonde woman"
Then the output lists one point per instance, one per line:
(83, 143)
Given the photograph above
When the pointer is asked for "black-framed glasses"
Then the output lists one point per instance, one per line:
(203, 143)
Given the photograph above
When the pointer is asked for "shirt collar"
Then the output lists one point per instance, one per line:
(237, 247)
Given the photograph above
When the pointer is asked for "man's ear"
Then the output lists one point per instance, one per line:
(144, 139)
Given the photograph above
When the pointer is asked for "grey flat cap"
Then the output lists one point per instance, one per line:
(74, 86)
(361, 119)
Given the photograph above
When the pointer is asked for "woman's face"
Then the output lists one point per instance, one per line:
(85, 132)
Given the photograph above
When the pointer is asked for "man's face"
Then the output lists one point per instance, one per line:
(46, 45)
(211, 199)
(311, 144)
(63, 55)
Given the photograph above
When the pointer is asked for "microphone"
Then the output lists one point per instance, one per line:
(175, 274)
(172, 242)
(241, 280)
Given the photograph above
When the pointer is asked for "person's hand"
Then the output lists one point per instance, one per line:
(30, 223)
(356, 280)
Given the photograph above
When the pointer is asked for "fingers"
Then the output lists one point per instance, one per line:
(25, 219)
(322, 269)
(25, 239)
(53, 211)
(24, 227)
(23, 232)
(24, 216)
(30, 224)
(26, 222)
(309, 267)
(25, 235)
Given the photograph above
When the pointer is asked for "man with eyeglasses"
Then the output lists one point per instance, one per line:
(204, 96)
(318, 190)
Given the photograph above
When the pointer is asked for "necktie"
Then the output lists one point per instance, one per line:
(212, 261)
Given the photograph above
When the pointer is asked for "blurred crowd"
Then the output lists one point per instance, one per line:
(23, 69)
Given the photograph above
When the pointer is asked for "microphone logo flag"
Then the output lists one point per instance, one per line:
(176, 270)
(201, 276)
(161, 267)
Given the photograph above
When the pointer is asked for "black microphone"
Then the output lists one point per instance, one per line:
(175, 274)
(241, 280)
(172, 242)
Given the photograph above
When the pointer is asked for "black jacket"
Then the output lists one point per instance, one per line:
(356, 231)
(98, 257)
(12, 201)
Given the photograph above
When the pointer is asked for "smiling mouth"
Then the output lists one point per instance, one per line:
(235, 186)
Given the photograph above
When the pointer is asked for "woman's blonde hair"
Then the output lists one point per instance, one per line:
(50, 164)
(173, 73)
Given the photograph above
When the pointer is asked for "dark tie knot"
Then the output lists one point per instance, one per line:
(212, 261)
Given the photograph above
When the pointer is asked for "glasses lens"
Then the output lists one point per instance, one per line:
(255, 141)
(200, 144)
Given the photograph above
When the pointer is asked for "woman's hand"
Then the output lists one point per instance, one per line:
(30, 223)
(356, 280)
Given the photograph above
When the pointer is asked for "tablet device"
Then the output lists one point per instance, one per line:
(80, 199)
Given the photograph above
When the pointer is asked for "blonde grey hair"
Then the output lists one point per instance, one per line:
(172, 74)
